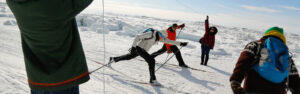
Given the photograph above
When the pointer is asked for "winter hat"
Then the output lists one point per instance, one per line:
(215, 30)
(277, 32)
(175, 25)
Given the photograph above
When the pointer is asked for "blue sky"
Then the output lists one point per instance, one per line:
(254, 14)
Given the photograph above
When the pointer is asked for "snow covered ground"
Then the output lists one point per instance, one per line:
(120, 30)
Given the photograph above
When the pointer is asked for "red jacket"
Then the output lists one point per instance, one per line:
(171, 36)
(253, 82)
(208, 38)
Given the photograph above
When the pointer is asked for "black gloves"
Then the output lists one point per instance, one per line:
(132, 50)
(183, 43)
(182, 25)
(236, 88)
(200, 41)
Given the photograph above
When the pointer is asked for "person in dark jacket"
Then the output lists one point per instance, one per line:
(207, 42)
(54, 58)
(254, 83)
(169, 47)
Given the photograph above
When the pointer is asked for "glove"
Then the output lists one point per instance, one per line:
(183, 43)
(182, 25)
(236, 88)
(169, 51)
(200, 41)
(132, 50)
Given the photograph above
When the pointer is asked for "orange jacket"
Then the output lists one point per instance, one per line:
(171, 36)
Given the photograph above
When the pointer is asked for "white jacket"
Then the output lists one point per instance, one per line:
(147, 40)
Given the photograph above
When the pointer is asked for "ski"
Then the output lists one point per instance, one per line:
(99, 67)
(138, 82)
(174, 65)
(145, 83)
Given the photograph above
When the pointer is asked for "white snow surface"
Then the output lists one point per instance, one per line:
(119, 32)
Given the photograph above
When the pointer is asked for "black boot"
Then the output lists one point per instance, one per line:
(202, 59)
(152, 76)
(111, 60)
(206, 60)
(184, 65)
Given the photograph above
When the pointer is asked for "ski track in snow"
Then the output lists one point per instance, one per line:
(119, 32)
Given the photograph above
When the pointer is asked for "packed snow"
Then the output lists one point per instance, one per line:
(120, 30)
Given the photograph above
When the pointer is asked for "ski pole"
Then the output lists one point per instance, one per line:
(167, 60)
(99, 68)
(179, 33)
(176, 38)
(103, 65)
(169, 54)
(106, 65)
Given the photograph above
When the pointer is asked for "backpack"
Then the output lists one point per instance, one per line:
(152, 30)
(149, 30)
(273, 63)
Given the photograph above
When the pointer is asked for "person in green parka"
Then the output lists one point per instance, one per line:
(53, 53)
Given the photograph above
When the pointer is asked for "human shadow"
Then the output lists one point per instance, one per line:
(187, 75)
(220, 71)
(157, 90)
(144, 90)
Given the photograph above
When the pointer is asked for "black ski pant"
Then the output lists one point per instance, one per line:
(205, 54)
(174, 49)
(144, 54)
